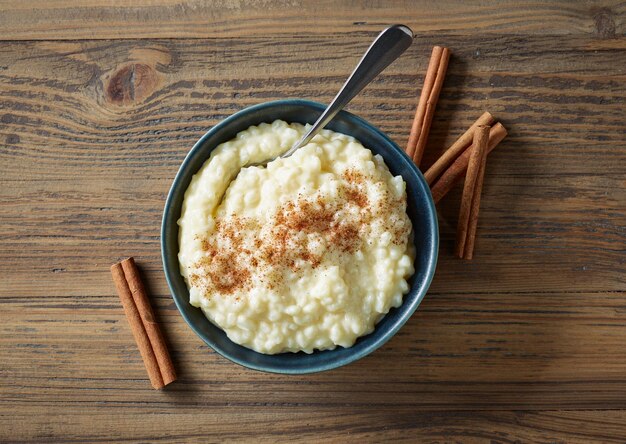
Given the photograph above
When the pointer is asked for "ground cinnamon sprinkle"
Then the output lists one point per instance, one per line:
(353, 176)
(226, 275)
(354, 189)
(357, 197)
(302, 233)
(223, 272)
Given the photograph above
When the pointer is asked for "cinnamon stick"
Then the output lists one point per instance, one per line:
(473, 222)
(433, 82)
(471, 190)
(456, 149)
(145, 330)
(455, 172)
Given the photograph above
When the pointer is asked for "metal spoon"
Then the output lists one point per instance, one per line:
(387, 47)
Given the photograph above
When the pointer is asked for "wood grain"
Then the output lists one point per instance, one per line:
(271, 423)
(94, 19)
(522, 344)
(470, 351)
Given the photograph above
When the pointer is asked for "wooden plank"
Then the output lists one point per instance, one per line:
(459, 351)
(91, 19)
(270, 423)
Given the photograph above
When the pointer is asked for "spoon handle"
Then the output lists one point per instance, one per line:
(387, 47)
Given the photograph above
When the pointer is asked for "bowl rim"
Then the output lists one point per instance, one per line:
(170, 268)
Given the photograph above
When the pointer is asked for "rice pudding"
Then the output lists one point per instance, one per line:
(307, 253)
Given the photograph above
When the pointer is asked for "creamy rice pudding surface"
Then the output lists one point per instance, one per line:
(307, 253)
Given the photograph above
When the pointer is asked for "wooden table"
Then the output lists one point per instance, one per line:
(98, 107)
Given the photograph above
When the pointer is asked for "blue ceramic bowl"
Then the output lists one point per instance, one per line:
(420, 209)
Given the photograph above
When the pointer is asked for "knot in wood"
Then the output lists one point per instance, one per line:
(131, 84)
(604, 20)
